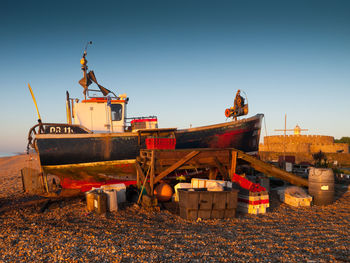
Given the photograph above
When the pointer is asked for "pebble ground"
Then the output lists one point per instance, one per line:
(66, 232)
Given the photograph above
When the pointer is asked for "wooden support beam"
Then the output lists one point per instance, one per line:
(138, 180)
(271, 170)
(225, 160)
(220, 167)
(176, 165)
(139, 171)
(233, 163)
(151, 181)
(213, 172)
(141, 177)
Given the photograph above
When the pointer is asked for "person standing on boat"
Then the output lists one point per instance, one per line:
(238, 103)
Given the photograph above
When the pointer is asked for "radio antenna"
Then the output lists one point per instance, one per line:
(86, 46)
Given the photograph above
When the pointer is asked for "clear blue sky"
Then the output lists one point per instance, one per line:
(180, 60)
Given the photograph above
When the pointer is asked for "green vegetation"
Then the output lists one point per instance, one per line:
(343, 140)
(344, 171)
(320, 159)
(338, 171)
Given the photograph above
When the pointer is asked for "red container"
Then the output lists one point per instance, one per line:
(246, 184)
(160, 143)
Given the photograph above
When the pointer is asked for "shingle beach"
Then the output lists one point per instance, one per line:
(67, 232)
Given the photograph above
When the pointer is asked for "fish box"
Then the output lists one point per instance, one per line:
(180, 186)
(294, 196)
(189, 214)
(160, 143)
(119, 188)
(253, 202)
(112, 200)
(198, 203)
(193, 214)
(253, 198)
(205, 183)
(297, 201)
(251, 209)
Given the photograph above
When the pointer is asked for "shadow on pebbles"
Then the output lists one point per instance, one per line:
(67, 232)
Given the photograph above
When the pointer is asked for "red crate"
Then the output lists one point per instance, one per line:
(246, 184)
(160, 143)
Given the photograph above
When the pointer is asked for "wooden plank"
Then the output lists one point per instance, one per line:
(197, 161)
(152, 174)
(176, 165)
(185, 167)
(142, 178)
(233, 163)
(213, 172)
(178, 154)
(221, 168)
(271, 170)
(139, 171)
(138, 179)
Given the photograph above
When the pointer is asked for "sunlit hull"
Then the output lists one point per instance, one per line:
(99, 158)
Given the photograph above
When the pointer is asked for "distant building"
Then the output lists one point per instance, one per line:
(298, 143)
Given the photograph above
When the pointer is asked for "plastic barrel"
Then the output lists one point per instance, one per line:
(321, 185)
(100, 202)
(90, 196)
(112, 203)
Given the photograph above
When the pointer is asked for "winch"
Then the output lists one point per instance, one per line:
(239, 108)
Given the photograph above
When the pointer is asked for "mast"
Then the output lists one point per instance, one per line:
(85, 81)
(89, 77)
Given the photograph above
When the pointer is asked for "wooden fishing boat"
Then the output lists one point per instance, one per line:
(99, 144)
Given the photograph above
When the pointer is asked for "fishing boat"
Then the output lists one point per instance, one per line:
(99, 143)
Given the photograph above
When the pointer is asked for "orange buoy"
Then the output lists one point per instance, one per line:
(227, 113)
(163, 192)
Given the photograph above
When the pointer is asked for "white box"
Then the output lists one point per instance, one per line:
(120, 188)
(112, 199)
(206, 183)
(180, 185)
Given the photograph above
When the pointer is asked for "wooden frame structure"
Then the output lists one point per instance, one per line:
(154, 165)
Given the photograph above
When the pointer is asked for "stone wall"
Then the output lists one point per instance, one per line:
(279, 147)
(332, 148)
(302, 143)
(343, 159)
(311, 139)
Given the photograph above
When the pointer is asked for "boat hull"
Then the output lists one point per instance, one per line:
(111, 156)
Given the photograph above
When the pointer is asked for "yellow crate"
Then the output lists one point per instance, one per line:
(251, 209)
(250, 199)
(297, 201)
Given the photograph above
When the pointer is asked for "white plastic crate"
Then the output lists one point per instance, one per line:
(120, 188)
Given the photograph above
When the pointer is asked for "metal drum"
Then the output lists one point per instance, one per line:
(321, 185)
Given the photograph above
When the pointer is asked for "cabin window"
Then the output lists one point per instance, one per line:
(116, 110)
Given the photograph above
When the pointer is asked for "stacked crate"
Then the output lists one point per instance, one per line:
(261, 180)
(160, 143)
(198, 203)
(252, 197)
(253, 202)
